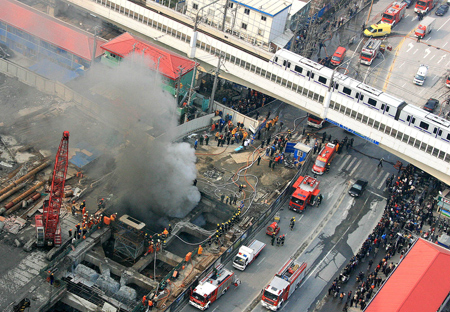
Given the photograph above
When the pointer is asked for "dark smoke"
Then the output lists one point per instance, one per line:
(153, 177)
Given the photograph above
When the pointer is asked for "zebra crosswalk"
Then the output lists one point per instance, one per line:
(362, 168)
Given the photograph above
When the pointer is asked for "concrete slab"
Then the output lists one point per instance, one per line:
(241, 157)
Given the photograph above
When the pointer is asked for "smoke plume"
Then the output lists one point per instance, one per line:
(154, 176)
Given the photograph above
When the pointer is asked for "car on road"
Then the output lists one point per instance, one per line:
(358, 188)
(441, 10)
(447, 82)
(431, 105)
(408, 2)
(5, 52)
(377, 30)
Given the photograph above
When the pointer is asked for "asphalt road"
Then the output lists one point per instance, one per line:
(325, 237)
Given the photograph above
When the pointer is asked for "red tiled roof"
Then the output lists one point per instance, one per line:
(49, 29)
(168, 63)
(419, 284)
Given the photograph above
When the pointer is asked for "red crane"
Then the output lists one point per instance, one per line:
(48, 228)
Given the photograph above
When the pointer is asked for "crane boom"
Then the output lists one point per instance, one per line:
(47, 225)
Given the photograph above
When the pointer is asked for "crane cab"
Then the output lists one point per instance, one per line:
(40, 234)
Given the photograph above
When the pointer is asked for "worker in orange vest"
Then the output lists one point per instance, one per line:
(144, 301)
(150, 305)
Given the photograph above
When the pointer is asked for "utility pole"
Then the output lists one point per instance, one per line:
(225, 15)
(216, 78)
(180, 69)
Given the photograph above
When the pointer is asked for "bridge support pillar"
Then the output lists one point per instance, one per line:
(326, 105)
(193, 45)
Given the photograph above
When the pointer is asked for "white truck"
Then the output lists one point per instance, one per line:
(247, 255)
(425, 27)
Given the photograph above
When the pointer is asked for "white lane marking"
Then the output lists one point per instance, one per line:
(345, 161)
(410, 46)
(414, 18)
(376, 194)
(421, 91)
(350, 165)
(427, 51)
(380, 175)
(444, 45)
(383, 181)
(435, 77)
(403, 85)
(442, 57)
(415, 51)
(371, 175)
(444, 24)
(401, 65)
(356, 167)
(432, 57)
(261, 261)
(215, 309)
(447, 63)
(428, 39)
(406, 15)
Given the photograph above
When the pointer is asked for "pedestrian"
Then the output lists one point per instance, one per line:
(278, 241)
(273, 165)
(282, 239)
(418, 38)
(270, 162)
(234, 199)
(273, 238)
(341, 296)
(380, 164)
(222, 197)
(201, 140)
(324, 136)
(52, 279)
(73, 210)
(195, 182)
(70, 233)
(207, 140)
(259, 160)
(351, 142)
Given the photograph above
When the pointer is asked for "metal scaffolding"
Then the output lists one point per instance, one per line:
(129, 237)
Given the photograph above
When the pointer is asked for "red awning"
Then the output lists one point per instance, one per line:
(420, 283)
(49, 29)
(169, 62)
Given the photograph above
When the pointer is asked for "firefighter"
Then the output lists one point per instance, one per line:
(169, 229)
(319, 200)
(278, 240)
(273, 238)
(291, 226)
(282, 239)
(83, 204)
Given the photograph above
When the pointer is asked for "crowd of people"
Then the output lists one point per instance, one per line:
(405, 215)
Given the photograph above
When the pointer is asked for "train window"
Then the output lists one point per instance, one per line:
(316, 97)
(435, 130)
(284, 82)
(253, 68)
(298, 69)
(310, 94)
(342, 110)
(372, 102)
(258, 71)
(276, 59)
(388, 130)
(278, 79)
(347, 91)
(411, 142)
(289, 84)
(447, 158)
(289, 64)
(441, 155)
(429, 149)
(440, 132)
(337, 106)
(360, 96)
(423, 146)
(387, 108)
(321, 98)
(311, 75)
(353, 115)
(435, 152)
(273, 77)
(284, 63)
(417, 144)
(405, 138)
(371, 121)
(359, 117)
(322, 79)
(382, 127)
(399, 135)
(299, 90)
(364, 119)
(305, 91)
(336, 85)
(448, 136)
(393, 133)
(348, 112)
(263, 72)
(424, 125)
(376, 125)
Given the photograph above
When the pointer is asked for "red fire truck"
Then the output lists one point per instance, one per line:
(212, 287)
(314, 121)
(324, 159)
(370, 51)
(425, 6)
(306, 191)
(283, 285)
(394, 13)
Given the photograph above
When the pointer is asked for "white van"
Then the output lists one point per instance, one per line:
(421, 75)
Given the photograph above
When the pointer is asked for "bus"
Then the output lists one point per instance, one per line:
(324, 159)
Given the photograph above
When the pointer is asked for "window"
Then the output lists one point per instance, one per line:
(360, 96)
(195, 6)
(424, 125)
(448, 137)
(244, 26)
(260, 32)
(372, 102)
(298, 69)
(228, 19)
(347, 91)
(336, 85)
(311, 74)
(211, 12)
(230, 4)
(322, 79)
(247, 11)
(263, 18)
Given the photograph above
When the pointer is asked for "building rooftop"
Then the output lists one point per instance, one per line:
(266, 7)
(169, 62)
(35, 23)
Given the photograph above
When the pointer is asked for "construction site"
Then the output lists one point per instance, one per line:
(98, 212)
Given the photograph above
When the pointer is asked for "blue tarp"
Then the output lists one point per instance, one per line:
(53, 71)
(81, 159)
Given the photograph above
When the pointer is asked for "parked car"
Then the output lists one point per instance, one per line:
(442, 10)
(5, 52)
(358, 188)
(431, 105)
(408, 2)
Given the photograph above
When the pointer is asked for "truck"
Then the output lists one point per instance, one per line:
(305, 193)
(425, 27)
(212, 287)
(314, 121)
(247, 255)
(283, 285)
(394, 13)
(425, 6)
(324, 159)
(370, 51)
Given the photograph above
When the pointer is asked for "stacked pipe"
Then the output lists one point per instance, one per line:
(19, 198)
(25, 177)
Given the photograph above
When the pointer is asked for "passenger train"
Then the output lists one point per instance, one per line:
(363, 94)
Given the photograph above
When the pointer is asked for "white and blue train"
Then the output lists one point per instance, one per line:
(363, 94)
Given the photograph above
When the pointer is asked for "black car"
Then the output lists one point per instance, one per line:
(5, 52)
(431, 105)
(408, 2)
(441, 10)
(358, 188)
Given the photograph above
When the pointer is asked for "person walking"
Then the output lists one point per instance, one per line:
(282, 239)
(380, 164)
(273, 238)
(278, 241)
(195, 144)
(259, 160)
